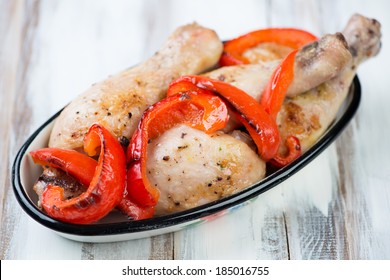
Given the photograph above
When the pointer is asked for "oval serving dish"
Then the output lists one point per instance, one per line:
(115, 227)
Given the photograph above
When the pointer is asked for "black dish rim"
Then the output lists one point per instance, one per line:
(189, 215)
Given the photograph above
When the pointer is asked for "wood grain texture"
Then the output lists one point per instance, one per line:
(20, 21)
(335, 208)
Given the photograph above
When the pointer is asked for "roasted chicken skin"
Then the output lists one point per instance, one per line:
(191, 168)
(119, 101)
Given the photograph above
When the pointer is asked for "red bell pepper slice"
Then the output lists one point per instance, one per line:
(82, 167)
(258, 122)
(275, 92)
(198, 109)
(78, 165)
(272, 101)
(294, 151)
(134, 211)
(273, 97)
(105, 190)
(290, 37)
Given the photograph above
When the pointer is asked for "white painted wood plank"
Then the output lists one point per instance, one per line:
(18, 231)
(64, 63)
(71, 48)
(10, 14)
(78, 45)
(343, 228)
(371, 156)
(369, 160)
(309, 222)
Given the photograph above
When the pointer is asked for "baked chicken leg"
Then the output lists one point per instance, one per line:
(119, 101)
(308, 115)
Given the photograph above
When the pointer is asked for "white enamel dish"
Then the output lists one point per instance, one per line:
(115, 227)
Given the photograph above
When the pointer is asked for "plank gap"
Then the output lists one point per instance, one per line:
(161, 247)
(286, 232)
(87, 251)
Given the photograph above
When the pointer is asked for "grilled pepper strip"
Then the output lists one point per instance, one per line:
(198, 109)
(272, 101)
(78, 165)
(294, 151)
(290, 37)
(82, 167)
(275, 92)
(105, 190)
(262, 126)
(134, 211)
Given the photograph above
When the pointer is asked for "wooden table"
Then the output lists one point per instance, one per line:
(337, 207)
